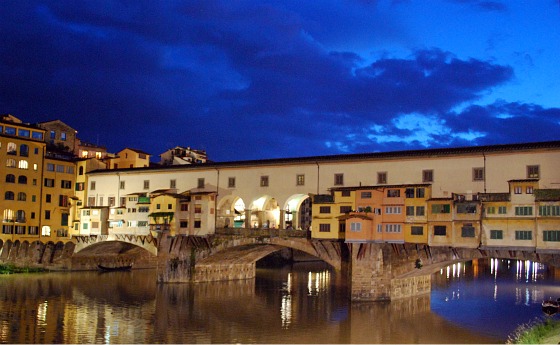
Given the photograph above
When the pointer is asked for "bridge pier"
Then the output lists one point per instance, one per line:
(375, 273)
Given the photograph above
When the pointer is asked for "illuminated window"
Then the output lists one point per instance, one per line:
(11, 163)
(85, 154)
(11, 149)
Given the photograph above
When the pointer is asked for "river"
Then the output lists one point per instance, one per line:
(476, 302)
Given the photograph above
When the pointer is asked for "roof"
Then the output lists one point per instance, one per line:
(135, 150)
(525, 180)
(430, 153)
(381, 186)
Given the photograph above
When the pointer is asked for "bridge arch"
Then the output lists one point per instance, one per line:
(115, 243)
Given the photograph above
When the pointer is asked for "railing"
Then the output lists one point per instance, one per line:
(262, 232)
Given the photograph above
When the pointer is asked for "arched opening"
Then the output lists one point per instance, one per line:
(231, 213)
(297, 212)
(265, 213)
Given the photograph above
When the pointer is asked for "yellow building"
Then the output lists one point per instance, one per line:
(548, 219)
(440, 221)
(327, 210)
(466, 222)
(22, 150)
(416, 221)
(129, 158)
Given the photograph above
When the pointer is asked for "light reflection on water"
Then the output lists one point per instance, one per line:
(304, 303)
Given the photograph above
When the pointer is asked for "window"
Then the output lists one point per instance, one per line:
(33, 230)
(366, 195)
(48, 198)
(325, 209)
(11, 163)
(523, 235)
(441, 208)
(92, 185)
(70, 170)
(91, 201)
(23, 150)
(264, 181)
(47, 214)
(420, 210)
(9, 195)
(300, 180)
(169, 206)
(392, 227)
(427, 176)
(22, 179)
(60, 168)
(53, 135)
(409, 193)
(49, 182)
(551, 235)
(122, 184)
(63, 136)
(393, 210)
(529, 190)
(80, 170)
(355, 227)
(146, 184)
(23, 164)
(111, 201)
(467, 230)
(11, 149)
(79, 186)
(200, 183)
(22, 196)
(10, 178)
(379, 228)
(23, 132)
(324, 228)
(338, 179)
(382, 177)
(518, 190)
(197, 224)
(440, 230)
(198, 209)
(523, 210)
(393, 193)
(143, 209)
(502, 210)
(533, 171)
(496, 234)
(64, 219)
(417, 230)
(410, 210)
(345, 209)
(37, 135)
(183, 224)
(10, 130)
(342, 227)
(231, 182)
(173, 184)
(420, 192)
(184, 207)
(490, 210)
(65, 184)
(50, 167)
(466, 208)
(549, 210)
(478, 174)
(345, 193)
(122, 201)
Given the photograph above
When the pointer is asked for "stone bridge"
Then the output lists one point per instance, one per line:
(376, 271)
(146, 242)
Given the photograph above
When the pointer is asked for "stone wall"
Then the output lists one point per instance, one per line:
(37, 254)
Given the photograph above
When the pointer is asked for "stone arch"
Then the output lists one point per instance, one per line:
(265, 212)
(297, 212)
(231, 212)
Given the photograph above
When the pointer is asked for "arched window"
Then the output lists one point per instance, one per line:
(10, 178)
(11, 149)
(22, 196)
(22, 179)
(23, 164)
(24, 150)
(9, 195)
(81, 171)
(10, 162)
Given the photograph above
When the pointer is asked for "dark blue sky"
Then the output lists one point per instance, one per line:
(268, 79)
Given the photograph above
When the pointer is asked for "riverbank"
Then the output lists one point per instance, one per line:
(11, 269)
(540, 331)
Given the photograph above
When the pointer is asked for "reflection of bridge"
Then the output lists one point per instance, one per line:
(376, 271)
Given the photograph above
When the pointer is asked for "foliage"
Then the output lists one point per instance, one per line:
(10, 268)
(538, 331)
(167, 216)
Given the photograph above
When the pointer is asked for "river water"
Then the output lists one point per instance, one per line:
(476, 302)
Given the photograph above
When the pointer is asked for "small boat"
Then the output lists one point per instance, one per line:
(550, 307)
(118, 268)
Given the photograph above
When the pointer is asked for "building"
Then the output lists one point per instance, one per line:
(182, 155)
(129, 158)
(60, 137)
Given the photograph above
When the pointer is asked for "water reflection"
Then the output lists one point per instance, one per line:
(306, 303)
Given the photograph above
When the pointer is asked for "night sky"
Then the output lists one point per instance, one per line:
(269, 79)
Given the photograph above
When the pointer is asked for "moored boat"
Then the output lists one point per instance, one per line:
(550, 307)
(117, 268)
